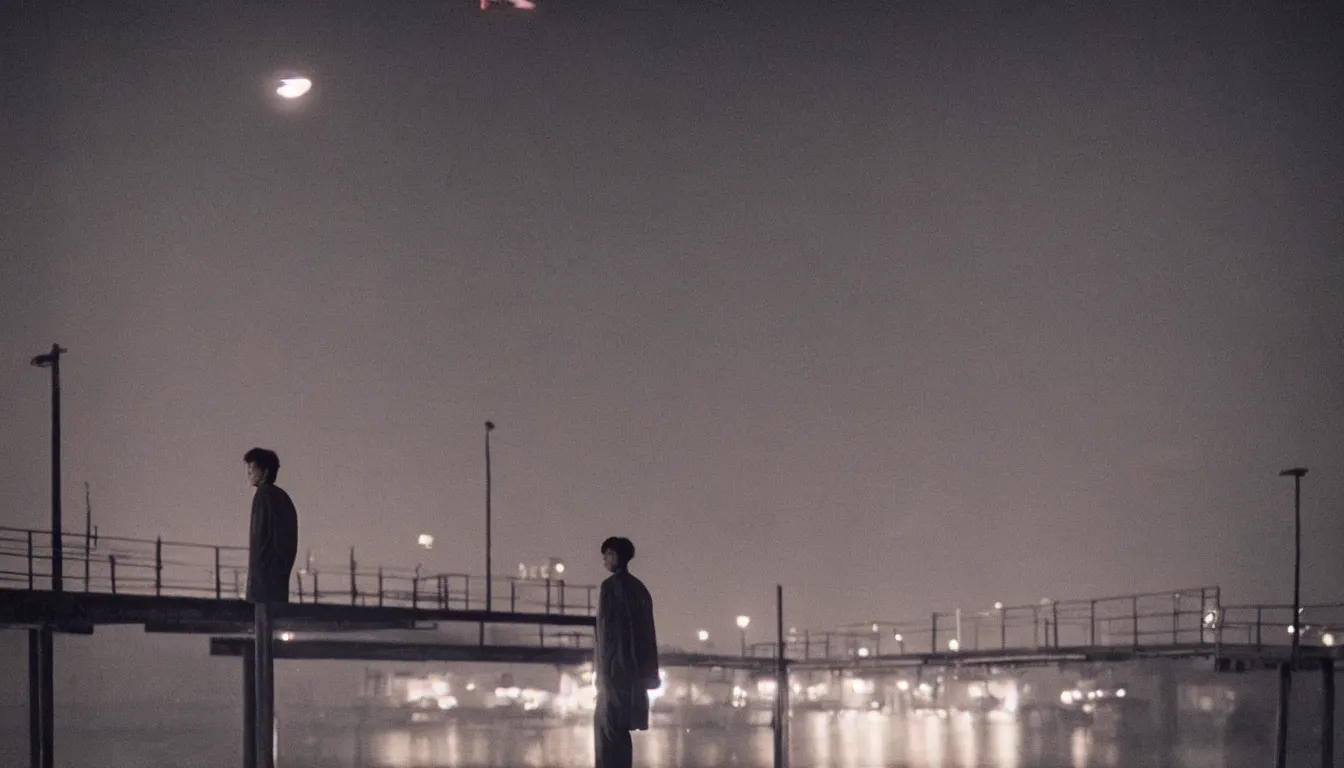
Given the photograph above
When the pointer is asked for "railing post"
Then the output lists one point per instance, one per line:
(1134, 609)
(112, 566)
(415, 591)
(30, 560)
(1092, 623)
(513, 596)
(588, 592)
(354, 589)
(562, 597)
(933, 636)
(380, 586)
(1054, 619)
(158, 565)
(548, 595)
(317, 593)
(1258, 614)
(1003, 628)
(299, 578)
(1175, 619)
(219, 586)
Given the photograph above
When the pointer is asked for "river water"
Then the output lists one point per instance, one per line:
(844, 741)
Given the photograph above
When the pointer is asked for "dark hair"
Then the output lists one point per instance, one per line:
(266, 459)
(623, 547)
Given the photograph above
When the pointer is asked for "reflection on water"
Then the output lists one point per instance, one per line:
(845, 741)
(817, 740)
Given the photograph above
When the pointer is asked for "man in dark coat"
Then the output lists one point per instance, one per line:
(625, 657)
(272, 547)
(274, 542)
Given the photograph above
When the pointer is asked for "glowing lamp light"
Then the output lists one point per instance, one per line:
(743, 622)
(998, 606)
(426, 541)
(898, 637)
(703, 635)
(875, 627)
(902, 685)
(559, 567)
(285, 637)
(293, 87)
(863, 653)
(1328, 639)
(953, 645)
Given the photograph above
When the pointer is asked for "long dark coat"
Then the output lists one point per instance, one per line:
(272, 546)
(625, 658)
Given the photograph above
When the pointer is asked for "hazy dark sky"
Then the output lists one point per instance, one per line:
(902, 306)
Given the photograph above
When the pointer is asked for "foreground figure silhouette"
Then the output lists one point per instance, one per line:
(625, 657)
(274, 541)
(272, 547)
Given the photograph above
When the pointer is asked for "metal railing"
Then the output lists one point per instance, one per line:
(1268, 626)
(123, 565)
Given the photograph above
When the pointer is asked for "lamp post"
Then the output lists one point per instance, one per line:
(1285, 671)
(489, 568)
(1296, 473)
(742, 623)
(52, 360)
(41, 676)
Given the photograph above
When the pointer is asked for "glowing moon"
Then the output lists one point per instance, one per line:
(293, 87)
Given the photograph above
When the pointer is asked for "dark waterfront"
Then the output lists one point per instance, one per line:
(207, 736)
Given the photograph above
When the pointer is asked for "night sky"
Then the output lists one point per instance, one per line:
(902, 306)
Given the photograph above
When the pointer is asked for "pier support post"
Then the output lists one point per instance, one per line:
(781, 685)
(34, 700)
(1169, 695)
(250, 706)
(264, 723)
(1281, 727)
(1328, 713)
(47, 696)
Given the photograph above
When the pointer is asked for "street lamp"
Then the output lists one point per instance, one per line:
(703, 635)
(900, 642)
(489, 569)
(742, 623)
(1296, 473)
(52, 360)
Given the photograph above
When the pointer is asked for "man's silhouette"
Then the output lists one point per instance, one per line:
(625, 659)
(274, 542)
(272, 547)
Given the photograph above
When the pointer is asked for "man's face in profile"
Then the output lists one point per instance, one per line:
(255, 474)
(610, 561)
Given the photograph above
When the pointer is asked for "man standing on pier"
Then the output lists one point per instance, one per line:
(625, 657)
(272, 547)
(274, 542)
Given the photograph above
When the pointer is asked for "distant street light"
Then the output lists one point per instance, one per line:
(293, 87)
(998, 606)
(953, 645)
(742, 623)
(426, 541)
(703, 635)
